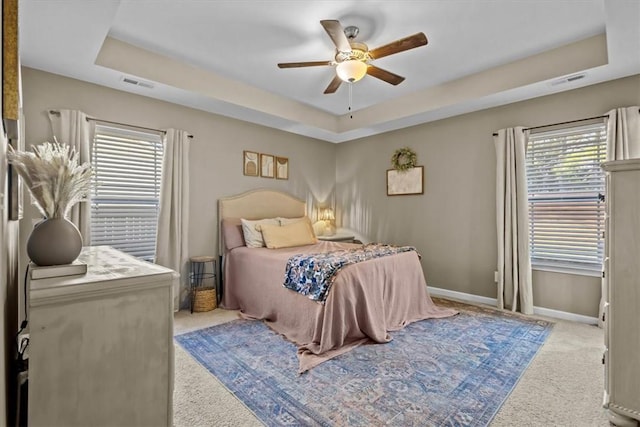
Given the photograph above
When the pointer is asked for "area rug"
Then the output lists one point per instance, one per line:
(455, 371)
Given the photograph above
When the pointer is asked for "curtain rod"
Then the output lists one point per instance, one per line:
(89, 119)
(562, 123)
(606, 116)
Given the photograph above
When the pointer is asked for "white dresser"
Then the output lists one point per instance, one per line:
(622, 308)
(101, 344)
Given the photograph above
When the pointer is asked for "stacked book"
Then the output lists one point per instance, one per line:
(76, 268)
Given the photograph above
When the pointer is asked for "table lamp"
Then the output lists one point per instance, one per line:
(327, 215)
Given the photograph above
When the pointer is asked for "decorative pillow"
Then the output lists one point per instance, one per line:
(287, 221)
(251, 230)
(297, 233)
(232, 233)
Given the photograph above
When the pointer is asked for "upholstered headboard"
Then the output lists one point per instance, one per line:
(258, 204)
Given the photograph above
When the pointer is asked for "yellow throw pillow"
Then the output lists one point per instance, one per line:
(287, 221)
(295, 234)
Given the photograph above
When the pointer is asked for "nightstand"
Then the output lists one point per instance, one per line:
(339, 237)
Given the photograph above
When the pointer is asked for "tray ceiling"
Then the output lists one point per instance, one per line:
(221, 56)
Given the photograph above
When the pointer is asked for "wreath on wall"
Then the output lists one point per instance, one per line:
(404, 159)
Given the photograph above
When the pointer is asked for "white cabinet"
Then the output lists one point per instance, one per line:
(622, 311)
(101, 344)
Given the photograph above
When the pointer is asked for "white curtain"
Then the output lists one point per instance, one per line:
(72, 128)
(623, 142)
(623, 133)
(172, 243)
(514, 263)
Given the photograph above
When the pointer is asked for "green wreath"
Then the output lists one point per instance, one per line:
(403, 159)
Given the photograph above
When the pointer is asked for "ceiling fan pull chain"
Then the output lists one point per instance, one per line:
(350, 98)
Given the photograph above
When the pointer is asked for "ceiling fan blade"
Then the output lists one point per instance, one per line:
(334, 85)
(384, 75)
(303, 64)
(397, 46)
(336, 32)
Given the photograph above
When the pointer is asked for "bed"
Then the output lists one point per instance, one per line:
(367, 300)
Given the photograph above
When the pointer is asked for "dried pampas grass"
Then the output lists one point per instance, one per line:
(53, 176)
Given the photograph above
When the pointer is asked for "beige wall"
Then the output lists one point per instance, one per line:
(216, 148)
(453, 224)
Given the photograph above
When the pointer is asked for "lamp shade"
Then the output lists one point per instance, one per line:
(327, 214)
(351, 70)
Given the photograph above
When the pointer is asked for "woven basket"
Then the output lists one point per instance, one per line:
(204, 299)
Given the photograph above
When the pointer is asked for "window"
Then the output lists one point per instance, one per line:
(127, 167)
(566, 198)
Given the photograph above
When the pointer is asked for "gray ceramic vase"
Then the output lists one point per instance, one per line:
(54, 241)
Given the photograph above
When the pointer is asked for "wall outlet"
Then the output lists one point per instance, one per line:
(496, 276)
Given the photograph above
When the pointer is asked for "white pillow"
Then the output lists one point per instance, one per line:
(253, 233)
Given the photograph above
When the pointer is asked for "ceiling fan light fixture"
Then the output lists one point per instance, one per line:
(351, 70)
(351, 58)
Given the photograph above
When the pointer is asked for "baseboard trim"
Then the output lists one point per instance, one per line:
(439, 292)
(542, 311)
(565, 315)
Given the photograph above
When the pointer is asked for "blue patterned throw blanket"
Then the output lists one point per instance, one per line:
(313, 274)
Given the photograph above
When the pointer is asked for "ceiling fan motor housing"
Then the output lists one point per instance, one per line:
(359, 52)
(351, 32)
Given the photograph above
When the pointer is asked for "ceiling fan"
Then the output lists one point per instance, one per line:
(352, 58)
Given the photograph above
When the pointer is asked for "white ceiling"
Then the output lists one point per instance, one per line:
(221, 56)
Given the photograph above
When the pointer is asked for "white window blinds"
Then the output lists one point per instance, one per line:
(566, 197)
(127, 167)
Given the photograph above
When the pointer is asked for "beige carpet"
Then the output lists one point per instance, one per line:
(562, 387)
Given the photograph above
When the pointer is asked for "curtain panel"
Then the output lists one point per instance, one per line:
(72, 128)
(514, 263)
(172, 241)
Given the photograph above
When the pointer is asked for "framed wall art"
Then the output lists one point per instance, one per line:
(407, 182)
(267, 165)
(282, 168)
(10, 62)
(250, 164)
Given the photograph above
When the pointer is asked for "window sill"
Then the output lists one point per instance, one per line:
(568, 270)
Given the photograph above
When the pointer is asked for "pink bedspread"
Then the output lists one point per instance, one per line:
(366, 302)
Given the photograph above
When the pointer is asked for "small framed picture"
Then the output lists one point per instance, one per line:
(250, 165)
(266, 165)
(401, 183)
(282, 168)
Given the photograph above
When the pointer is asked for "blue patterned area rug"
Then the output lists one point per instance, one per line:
(455, 371)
